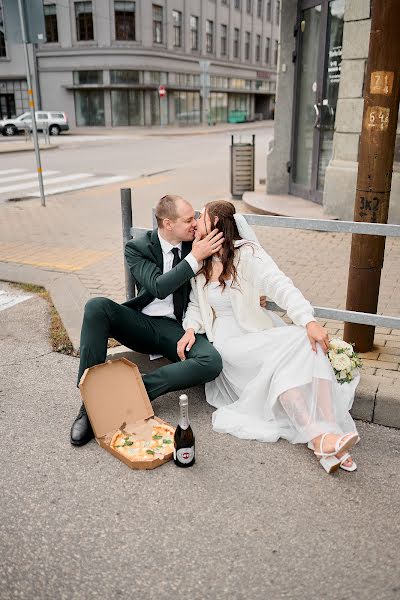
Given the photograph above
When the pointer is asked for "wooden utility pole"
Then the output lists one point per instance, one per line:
(377, 141)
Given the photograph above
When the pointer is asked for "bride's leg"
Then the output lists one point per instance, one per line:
(314, 418)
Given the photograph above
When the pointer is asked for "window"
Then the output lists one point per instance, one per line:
(127, 107)
(126, 77)
(3, 52)
(84, 21)
(224, 34)
(88, 77)
(268, 10)
(259, 8)
(194, 32)
(50, 19)
(125, 20)
(237, 4)
(267, 50)
(225, 2)
(187, 107)
(177, 19)
(236, 38)
(89, 108)
(278, 11)
(157, 77)
(258, 48)
(157, 24)
(247, 46)
(276, 53)
(249, 6)
(209, 36)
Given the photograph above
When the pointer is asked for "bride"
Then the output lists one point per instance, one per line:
(277, 381)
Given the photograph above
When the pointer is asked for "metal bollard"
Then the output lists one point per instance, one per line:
(126, 213)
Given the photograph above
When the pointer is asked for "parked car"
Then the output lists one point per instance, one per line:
(55, 121)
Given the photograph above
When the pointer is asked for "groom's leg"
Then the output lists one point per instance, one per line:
(103, 318)
(203, 362)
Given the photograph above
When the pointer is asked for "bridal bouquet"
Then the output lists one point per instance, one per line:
(345, 362)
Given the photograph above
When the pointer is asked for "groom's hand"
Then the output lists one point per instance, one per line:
(203, 248)
(185, 343)
(317, 334)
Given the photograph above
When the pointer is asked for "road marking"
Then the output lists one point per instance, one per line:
(9, 171)
(83, 185)
(26, 176)
(8, 300)
(25, 186)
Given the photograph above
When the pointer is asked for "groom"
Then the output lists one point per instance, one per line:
(162, 263)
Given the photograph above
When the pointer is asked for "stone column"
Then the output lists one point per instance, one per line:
(341, 173)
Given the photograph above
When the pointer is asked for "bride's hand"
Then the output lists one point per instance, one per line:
(185, 343)
(317, 334)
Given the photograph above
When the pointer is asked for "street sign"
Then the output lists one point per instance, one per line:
(162, 91)
(34, 21)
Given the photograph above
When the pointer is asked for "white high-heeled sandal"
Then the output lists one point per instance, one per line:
(329, 461)
(350, 469)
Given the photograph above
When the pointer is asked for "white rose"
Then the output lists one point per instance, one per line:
(338, 344)
(341, 362)
(342, 375)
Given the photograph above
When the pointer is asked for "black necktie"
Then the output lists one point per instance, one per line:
(178, 294)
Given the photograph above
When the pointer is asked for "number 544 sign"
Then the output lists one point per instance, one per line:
(377, 118)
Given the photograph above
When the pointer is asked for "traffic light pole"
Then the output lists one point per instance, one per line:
(375, 165)
(31, 103)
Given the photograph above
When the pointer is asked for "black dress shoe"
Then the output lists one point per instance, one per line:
(81, 430)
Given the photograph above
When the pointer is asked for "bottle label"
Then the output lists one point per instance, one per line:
(184, 455)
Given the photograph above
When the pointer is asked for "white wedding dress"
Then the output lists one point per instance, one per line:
(272, 384)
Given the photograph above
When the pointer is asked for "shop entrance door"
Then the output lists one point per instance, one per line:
(318, 63)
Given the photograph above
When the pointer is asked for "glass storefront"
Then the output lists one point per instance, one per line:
(218, 107)
(134, 100)
(127, 107)
(187, 107)
(89, 108)
(13, 98)
(126, 76)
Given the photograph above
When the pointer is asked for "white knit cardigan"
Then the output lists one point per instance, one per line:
(257, 275)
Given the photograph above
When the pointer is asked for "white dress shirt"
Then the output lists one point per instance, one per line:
(165, 307)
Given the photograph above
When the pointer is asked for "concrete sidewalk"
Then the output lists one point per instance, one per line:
(249, 521)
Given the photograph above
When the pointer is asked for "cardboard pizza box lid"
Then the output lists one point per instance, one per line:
(114, 393)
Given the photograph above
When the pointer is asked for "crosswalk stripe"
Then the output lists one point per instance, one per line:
(26, 186)
(26, 176)
(10, 171)
(79, 186)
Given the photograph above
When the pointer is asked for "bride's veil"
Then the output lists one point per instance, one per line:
(245, 231)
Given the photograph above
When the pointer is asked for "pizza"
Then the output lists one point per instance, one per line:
(136, 450)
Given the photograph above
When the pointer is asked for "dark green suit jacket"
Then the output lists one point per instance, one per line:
(145, 261)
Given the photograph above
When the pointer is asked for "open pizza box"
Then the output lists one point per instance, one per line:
(115, 399)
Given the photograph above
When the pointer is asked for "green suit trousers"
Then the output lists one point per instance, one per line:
(104, 318)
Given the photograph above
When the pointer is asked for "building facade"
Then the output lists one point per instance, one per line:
(123, 62)
(319, 104)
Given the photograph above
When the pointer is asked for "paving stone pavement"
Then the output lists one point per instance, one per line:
(80, 234)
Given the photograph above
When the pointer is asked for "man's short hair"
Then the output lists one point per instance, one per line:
(166, 208)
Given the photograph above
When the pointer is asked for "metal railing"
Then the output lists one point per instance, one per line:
(380, 229)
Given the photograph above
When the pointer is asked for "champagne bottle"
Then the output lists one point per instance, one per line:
(184, 438)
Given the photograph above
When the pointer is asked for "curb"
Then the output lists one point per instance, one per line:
(30, 149)
(375, 401)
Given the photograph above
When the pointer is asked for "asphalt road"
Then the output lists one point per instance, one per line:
(140, 154)
(248, 521)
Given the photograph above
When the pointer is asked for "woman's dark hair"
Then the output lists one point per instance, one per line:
(226, 223)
